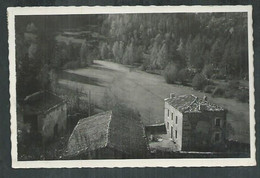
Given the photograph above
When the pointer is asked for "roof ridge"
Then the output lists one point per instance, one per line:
(94, 116)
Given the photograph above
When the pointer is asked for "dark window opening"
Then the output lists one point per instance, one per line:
(55, 130)
(217, 123)
(168, 112)
(217, 137)
(171, 132)
(167, 125)
(176, 120)
(172, 116)
(176, 134)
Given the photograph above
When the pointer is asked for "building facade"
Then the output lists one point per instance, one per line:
(46, 114)
(195, 124)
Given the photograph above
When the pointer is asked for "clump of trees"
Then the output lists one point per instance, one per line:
(34, 51)
(199, 81)
(171, 73)
(40, 57)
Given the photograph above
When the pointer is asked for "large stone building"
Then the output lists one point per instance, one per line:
(195, 124)
(46, 114)
(107, 135)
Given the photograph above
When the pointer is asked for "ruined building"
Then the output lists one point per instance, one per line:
(195, 124)
(46, 113)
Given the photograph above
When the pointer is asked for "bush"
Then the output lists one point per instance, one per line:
(218, 76)
(199, 82)
(171, 73)
(72, 65)
(208, 70)
(209, 88)
(242, 95)
(184, 76)
(218, 92)
(234, 84)
(229, 93)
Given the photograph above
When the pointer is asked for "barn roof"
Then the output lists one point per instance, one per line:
(191, 103)
(107, 130)
(40, 102)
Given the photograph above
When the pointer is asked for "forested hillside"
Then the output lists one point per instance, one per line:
(185, 48)
(180, 42)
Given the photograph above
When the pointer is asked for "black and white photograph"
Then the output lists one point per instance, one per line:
(131, 86)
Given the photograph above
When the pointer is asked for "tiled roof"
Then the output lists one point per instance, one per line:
(110, 130)
(191, 103)
(90, 134)
(40, 102)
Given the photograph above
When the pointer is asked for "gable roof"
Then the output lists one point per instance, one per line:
(41, 102)
(107, 130)
(191, 103)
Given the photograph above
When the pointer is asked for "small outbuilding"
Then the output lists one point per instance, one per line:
(46, 113)
(107, 135)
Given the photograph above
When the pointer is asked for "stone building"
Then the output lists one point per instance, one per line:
(195, 124)
(46, 114)
(107, 135)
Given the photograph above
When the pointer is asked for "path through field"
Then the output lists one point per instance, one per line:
(146, 92)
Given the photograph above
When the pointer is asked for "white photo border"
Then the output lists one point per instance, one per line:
(191, 162)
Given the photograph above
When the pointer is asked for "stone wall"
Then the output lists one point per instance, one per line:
(56, 116)
(200, 130)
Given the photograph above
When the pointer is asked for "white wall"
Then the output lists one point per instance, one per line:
(172, 123)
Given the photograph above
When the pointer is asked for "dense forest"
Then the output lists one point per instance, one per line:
(192, 41)
(183, 47)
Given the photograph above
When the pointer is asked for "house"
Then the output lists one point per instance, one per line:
(107, 135)
(195, 124)
(46, 114)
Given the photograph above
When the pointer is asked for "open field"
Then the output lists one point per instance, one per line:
(146, 92)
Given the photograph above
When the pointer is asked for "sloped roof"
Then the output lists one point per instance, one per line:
(191, 103)
(108, 130)
(40, 102)
(90, 134)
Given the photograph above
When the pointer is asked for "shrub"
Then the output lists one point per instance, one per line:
(184, 76)
(218, 92)
(234, 84)
(171, 73)
(72, 65)
(199, 81)
(229, 93)
(218, 76)
(209, 88)
(242, 95)
(208, 70)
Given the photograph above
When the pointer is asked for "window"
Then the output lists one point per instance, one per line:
(168, 112)
(171, 132)
(172, 116)
(176, 120)
(176, 134)
(217, 122)
(217, 137)
(167, 125)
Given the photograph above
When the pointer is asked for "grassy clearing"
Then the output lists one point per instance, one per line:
(146, 93)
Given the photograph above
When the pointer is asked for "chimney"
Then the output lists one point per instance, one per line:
(172, 95)
(202, 107)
